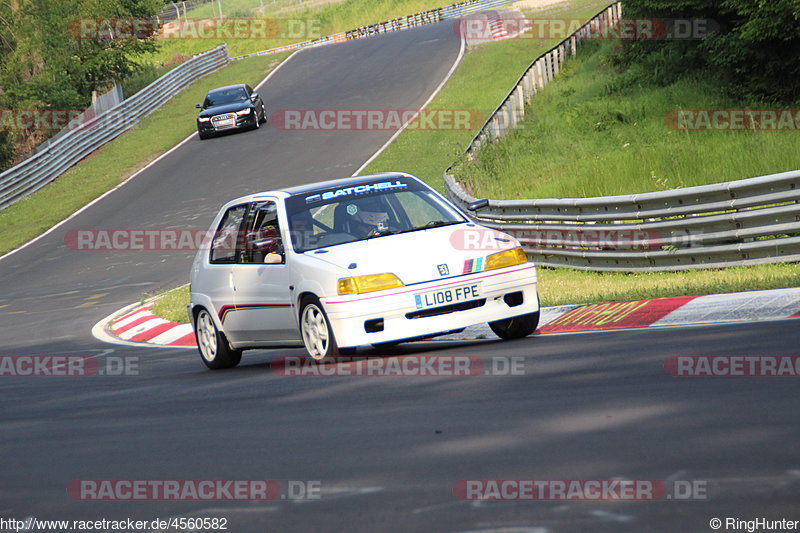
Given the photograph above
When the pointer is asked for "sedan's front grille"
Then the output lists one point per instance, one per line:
(224, 121)
(443, 310)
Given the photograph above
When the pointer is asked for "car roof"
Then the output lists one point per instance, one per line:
(343, 182)
(301, 189)
(237, 86)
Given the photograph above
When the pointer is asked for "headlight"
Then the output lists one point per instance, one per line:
(243, 112)
(204, 119)
(506, 258)
(370, 283)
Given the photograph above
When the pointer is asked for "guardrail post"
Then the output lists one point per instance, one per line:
(509, 118)
(547, 69)
(573, 45)
(494, 129)
(529, 85)
(520, 102)
(556, 62)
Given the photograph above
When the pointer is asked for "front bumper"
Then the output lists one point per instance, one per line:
(246, 121)
(351, 316)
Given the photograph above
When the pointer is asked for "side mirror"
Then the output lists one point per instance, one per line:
(478, 204)
(199, 106)
(254, 97)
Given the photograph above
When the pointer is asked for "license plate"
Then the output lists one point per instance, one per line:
(448, 296)
(225, 123)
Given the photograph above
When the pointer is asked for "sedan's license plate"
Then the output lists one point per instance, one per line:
(228, 123)
(449, 296)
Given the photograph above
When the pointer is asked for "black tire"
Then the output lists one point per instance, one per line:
(203, 136)
(263, 114)
(515, 327)
(214, 349)
(316, 331)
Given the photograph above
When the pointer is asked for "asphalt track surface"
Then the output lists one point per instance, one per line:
(386, 452)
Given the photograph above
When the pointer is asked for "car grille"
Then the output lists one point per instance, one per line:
(443, 310)
(225, 121)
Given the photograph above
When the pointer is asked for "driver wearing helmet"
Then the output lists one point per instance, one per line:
(366, 217)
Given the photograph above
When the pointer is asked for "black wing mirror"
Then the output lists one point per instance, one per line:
(254, 97)
(478, 204)
(199, 106)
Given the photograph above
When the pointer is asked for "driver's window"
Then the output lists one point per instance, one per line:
(419, 210)
(263, 243)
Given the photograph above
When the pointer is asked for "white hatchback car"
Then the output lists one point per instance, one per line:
(374, 260)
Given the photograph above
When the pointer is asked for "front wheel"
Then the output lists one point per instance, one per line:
(317, 332)
(516, 327)
(214, 348)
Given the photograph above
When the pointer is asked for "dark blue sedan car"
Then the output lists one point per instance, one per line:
(230, 108)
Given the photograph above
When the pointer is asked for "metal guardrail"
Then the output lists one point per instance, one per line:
(736, 223)
(46, 165)
(453, 11)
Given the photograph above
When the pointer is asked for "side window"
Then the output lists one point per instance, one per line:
(263, 243)
(226, 238)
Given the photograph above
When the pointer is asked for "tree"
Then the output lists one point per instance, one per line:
(755, 51)
(46, 64)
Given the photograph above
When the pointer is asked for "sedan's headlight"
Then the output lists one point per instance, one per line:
(506, 258)
(243, 112)
(369, 283)
(204, 119)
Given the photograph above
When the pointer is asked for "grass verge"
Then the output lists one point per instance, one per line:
(172, 304)
(120, 158)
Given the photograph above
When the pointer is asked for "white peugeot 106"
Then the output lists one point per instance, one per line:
(368, 260)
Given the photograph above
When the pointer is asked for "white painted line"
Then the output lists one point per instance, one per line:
(142, 328)
(428, 101)
(171, 335)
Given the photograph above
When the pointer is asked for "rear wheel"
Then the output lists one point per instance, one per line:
(212, 344)
(317, 332)
(516, 327)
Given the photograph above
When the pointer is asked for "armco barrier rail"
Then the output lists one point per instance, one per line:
(45, 166)
(743, 222)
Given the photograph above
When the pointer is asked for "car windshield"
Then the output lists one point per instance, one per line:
(340, 215)
(225, 97)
